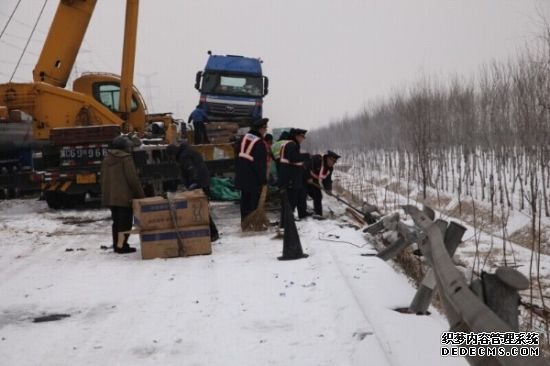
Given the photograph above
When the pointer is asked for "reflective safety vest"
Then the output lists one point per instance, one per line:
(283, 160)
(247, 144)
(276, 149)
(323, 173)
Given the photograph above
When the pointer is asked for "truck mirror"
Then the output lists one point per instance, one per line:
(198, 80)
(266, 85)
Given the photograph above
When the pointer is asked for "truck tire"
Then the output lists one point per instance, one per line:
(53, 199)
(73, 200)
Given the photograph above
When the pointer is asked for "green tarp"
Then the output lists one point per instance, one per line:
(222, 189)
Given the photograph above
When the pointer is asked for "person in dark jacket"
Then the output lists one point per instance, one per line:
(291, 172)
(119, 186)
(194, 174)
(199, 117)
(251, 166)
(319, 174)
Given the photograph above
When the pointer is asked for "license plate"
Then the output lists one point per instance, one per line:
(83, 153)
(85, 178)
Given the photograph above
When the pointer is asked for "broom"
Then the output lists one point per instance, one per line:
(257, 219)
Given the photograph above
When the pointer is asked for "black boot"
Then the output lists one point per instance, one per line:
(125, 249)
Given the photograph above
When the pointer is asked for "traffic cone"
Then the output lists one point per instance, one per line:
(292, 247)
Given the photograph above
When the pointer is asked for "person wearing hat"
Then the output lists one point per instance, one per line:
(319, 174)
(291, 172)
(194, 174)
(251, 166)
(120, 184)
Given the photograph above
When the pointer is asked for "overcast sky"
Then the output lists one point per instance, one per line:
(324, 58)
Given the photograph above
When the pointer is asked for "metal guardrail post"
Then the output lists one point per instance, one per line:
(423, 297)
(388, 222)
(406, 236)
(464, 309)
(500, 293)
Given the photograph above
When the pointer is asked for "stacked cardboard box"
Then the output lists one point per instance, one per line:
(221, 132)
(159, 233)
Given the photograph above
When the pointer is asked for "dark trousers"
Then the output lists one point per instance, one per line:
(213, 228)
(317, 196)
(201, 136)
(122, 221)
(249, 201)
(297, 198)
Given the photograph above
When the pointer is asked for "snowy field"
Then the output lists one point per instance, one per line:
(238, 306)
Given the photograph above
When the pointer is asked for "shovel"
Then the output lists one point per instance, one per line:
(369, 219)
(257, 219)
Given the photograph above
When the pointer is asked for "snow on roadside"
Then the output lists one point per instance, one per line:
(238, 306)
(489, 254)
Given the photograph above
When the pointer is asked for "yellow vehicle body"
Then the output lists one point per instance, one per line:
(53, 106)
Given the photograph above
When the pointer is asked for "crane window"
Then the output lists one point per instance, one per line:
(109, 96)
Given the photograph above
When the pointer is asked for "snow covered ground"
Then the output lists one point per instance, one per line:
(483, 248)
(238, 306)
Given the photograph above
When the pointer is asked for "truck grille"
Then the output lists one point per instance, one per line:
(230, 109)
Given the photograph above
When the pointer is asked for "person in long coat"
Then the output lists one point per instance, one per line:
(120, 184)
(291, 171)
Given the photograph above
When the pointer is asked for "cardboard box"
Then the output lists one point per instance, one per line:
(164, 243)
(154, 213)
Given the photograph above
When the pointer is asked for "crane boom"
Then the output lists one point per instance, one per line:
(63, 41)
(128, 57)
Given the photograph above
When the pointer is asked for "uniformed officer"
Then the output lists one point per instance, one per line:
(319, 174)
(291, 171)
(251, 166)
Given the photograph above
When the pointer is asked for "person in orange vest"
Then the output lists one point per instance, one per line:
(319, 174)
(291, 172)
(251, 166)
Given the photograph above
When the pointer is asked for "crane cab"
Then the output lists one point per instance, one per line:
(105, 89)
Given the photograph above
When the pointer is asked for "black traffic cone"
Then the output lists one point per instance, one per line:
(292, 248)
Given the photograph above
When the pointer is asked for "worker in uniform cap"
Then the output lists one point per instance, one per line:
(319, 174)
(120, 184)
(291, 172)
(251, 166)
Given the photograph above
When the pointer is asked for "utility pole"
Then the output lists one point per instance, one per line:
(148, 86)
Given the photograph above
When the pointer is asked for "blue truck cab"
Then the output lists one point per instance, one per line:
(232, 88)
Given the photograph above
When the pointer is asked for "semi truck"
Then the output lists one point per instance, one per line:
(232, 88)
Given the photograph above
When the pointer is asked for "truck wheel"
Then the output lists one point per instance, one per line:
(73, 200)
(53, 200)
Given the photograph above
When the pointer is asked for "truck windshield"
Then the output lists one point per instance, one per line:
(238, 85)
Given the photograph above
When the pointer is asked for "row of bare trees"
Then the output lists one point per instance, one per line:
(492, 131)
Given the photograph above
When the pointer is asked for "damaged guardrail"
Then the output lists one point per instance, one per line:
(488, 306)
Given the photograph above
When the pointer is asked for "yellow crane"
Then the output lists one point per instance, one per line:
(76, 125)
